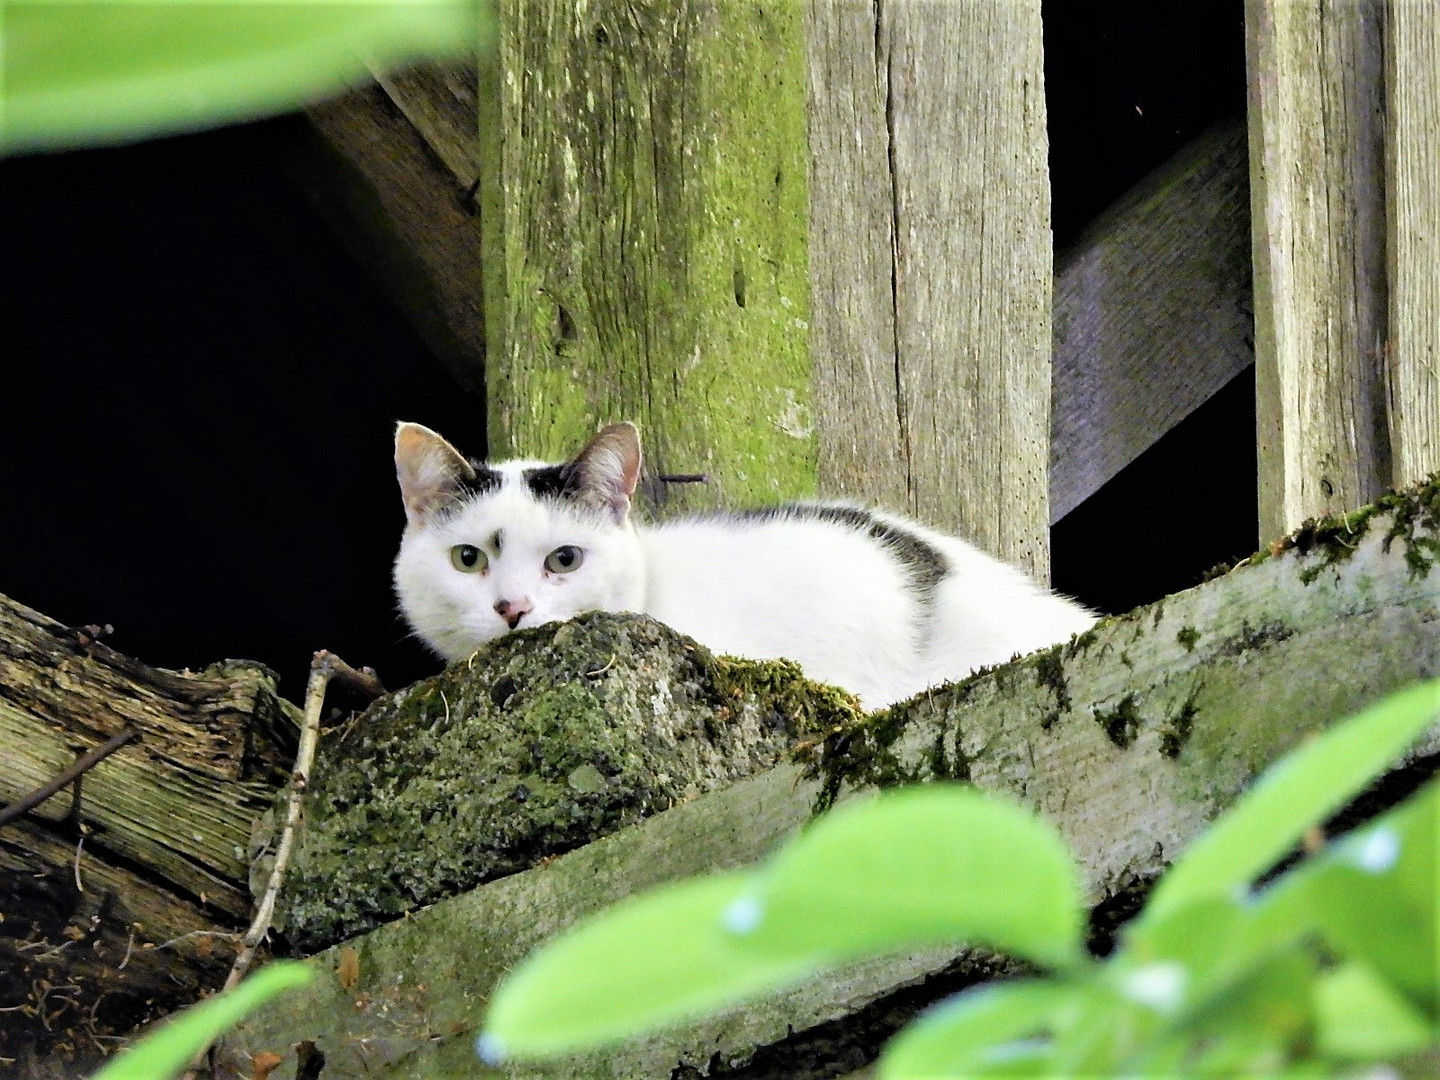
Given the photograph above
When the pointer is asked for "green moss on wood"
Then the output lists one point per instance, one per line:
(1175, 731)
(1188, 636)
(1050, 672)
(542, 741)
(1122, 723)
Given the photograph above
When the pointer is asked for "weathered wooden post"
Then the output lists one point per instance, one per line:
(1412, 175)
(931, 263)
(1347, 392)
(879, 329)
(644, 222)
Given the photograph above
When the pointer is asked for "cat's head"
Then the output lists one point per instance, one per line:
(492, 548)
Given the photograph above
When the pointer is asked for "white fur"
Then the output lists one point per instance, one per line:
(828, 596)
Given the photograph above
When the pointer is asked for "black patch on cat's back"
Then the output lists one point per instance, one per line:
(922, 562)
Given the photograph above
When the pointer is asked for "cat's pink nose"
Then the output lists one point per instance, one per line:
(512, 611)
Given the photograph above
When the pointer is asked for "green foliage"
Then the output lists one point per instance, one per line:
(113, 71)
(1332, 962)
(169, 1048)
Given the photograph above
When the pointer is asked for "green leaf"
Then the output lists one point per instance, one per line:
(1297, 792)
(918, 866)
(1375, 894)
(1360, 1018)
(648, 961)
(169, 1048)
(966, 1034)
(110, 71)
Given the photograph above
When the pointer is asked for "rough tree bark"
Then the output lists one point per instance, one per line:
(116, 893)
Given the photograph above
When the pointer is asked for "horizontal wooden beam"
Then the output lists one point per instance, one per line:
(1131, 738)
(1152, 313)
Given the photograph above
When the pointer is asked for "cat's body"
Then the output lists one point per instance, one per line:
(869, 601)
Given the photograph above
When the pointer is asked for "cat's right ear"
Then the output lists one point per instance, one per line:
(431, 471)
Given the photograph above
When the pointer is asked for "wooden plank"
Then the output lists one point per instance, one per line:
(399, 204)
(648, 203)
(1152, 313)
(1316, 180)
(1412, 170)
(852, 257)
(973, 268)
(1130, 739)
(441, 105)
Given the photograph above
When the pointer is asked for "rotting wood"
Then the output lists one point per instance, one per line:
(156, 852)
(1412, 203)
(1317, 195)
(1130, 738)
(1152, 313)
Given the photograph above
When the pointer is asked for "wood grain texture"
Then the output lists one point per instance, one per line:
(1412, 170)
(1152, 313)
(852, 257)
(158, 846)
(1213, 684)
(973, 268)
(395, 200)
(1317, 197)
(646, 206)
(931, 264)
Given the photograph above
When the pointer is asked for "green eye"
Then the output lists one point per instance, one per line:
(564, 559)
(468, 559)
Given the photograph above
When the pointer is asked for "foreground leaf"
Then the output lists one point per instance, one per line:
(648, 961)
(169, 1048)
(1358, 1017)
(109, 71)
(1299, 791)
(914, 867)
(969, 1032)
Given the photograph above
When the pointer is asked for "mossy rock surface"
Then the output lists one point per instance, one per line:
(542, 741)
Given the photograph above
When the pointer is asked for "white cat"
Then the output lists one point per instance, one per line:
(866, 600)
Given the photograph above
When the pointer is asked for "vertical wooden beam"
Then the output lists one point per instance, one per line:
(973, 268)
(1317, 211)
(1412, 170)
(646, 207)
(939, 107)
(852, 257)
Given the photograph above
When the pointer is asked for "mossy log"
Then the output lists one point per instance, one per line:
(113, 891)
(545, 740)
(1130, 738)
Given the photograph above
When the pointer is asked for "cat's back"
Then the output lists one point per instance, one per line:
(861, 597)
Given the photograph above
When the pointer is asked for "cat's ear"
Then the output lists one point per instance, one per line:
(431, 471)
(608, 469)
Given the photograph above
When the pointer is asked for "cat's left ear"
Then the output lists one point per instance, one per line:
(609, 468)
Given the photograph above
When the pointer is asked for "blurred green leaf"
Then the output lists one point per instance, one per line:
(79, 74)
(918, 866)
(1360, 1018)
(169, 1048)
(959, 1037)
(1299, 791)
(648, 961)
(1375, 895)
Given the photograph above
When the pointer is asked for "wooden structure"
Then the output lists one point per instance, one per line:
(658, 245)
(118, 892)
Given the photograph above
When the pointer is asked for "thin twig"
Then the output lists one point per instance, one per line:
(83, 764)
(78, 848)
(324, 667)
